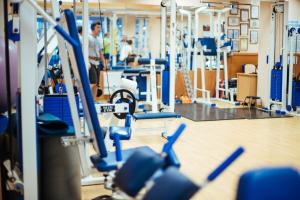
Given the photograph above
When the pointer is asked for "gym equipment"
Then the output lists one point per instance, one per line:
(105, 161)
(168, 76)
(123, 96)
(151, 162)
(156, 120)
(211, 48)
(269, 183)
(164, 185)
(276, 84)
(281, 60)
(13, 73)
(146, 79)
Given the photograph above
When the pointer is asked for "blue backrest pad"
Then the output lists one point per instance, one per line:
(137, 170)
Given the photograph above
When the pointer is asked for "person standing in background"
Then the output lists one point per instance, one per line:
(126, 51)
(106, 44)
(96, 59)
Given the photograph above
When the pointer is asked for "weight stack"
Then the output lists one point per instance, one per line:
(276, 84)
(296, 94)
(58, 105)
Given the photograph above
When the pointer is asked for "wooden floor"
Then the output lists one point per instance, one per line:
(268, 142)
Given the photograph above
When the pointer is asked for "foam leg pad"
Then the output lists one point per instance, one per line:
(137, 170)
(172, 185)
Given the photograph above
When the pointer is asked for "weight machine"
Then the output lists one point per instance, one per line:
(284, 91)
(207, 47)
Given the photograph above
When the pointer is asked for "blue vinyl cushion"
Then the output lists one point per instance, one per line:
(211, 46)
(134, 70)
(109, 163)
(147, 61)
(3, 123)
(137, 170)
(172, 185)
(50, 125)
(159, 115)
(269, 184)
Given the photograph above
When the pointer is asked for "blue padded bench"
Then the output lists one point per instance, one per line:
(134, 71)
(119, 68)
(269, 184)
(110, 163)
(148, 72)
(139, 71)
(3, 123)
(159, 115)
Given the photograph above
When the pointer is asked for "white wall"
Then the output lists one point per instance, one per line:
(154, 36)
(294, 6)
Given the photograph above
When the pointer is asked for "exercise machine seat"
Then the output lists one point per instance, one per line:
(130, 178)
(119, 68)
(123, 132)
(147, 61)
(109, 163)
(269, 184)
(172, 185)
(138, 116)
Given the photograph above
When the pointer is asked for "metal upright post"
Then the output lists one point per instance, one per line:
(114, 37)
(85, 32)
(172, 56)
(270, 59)
(28, 66)
(284, 57)
(189, 35)
(292, 49)
(163, 24)
(226, 74)
(153, 86)
(218, 57)
(195, 56)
